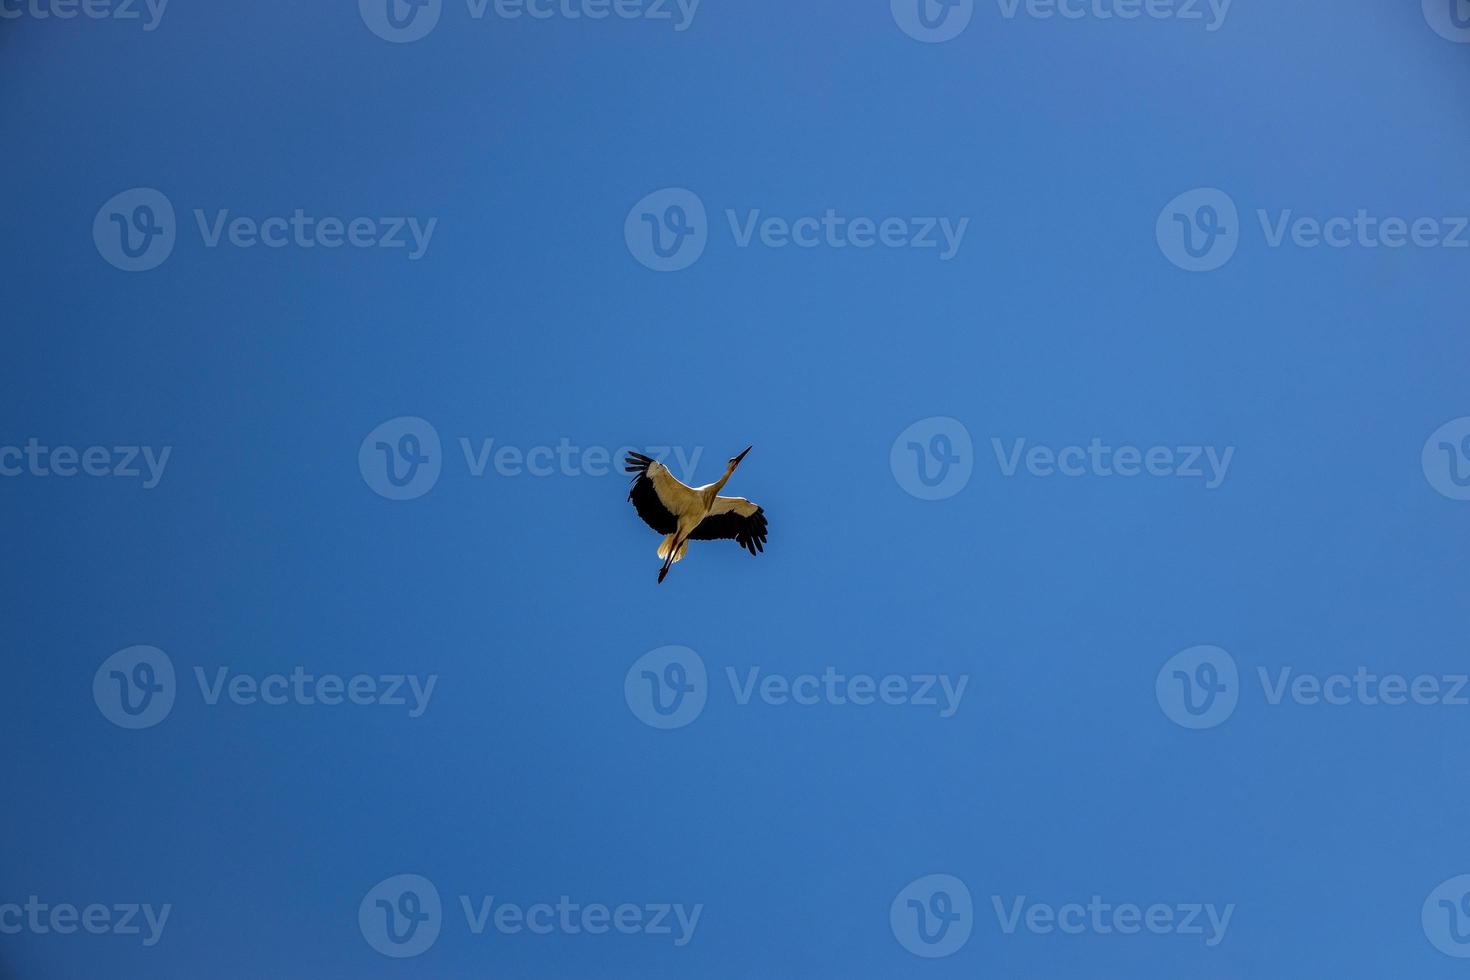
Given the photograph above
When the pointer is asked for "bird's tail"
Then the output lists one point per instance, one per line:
(667, 543)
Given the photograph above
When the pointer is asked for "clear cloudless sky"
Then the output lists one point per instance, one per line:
(529, 321)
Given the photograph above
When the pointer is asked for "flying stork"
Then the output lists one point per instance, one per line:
(683, 514)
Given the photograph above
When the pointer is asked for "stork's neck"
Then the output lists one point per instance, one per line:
(719, 484)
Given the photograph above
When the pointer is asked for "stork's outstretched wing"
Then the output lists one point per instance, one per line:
(737, 519)
(658, 497)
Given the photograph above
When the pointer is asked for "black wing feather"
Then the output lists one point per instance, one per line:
(748, 532)
(645, 496)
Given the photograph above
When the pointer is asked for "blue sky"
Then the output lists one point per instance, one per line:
(504, 626)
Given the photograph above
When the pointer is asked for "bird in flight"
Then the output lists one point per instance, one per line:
(683, 514)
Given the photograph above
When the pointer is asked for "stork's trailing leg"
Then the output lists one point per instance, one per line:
(671, 550)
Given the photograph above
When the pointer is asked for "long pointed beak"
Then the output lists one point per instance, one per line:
(742, 453)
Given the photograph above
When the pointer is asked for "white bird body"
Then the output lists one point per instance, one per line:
(683, 513)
